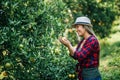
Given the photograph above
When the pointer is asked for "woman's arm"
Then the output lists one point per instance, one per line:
(71, 50)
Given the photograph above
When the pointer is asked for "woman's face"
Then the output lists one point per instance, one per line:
(80, 30)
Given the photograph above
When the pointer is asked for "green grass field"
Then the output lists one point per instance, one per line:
(110, 56)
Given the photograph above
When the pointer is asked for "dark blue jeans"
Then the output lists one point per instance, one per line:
(97, 78)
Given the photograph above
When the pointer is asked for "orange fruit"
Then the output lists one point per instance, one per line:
(4, 73)
(21, 46)
(8, 65)
(70, 75)
(73, 76)
(32, 59)
(63, 38)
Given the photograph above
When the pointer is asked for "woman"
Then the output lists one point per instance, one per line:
(87, 51)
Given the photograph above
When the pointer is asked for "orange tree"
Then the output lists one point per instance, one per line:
(101, 12)
(29, 46)
(28, 43)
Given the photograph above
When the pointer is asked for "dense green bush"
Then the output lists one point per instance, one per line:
(29, 31)
(29, 46)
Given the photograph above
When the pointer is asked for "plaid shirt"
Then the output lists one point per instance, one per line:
(88, 55)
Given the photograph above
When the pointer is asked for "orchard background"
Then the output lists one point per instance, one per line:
(29, 31)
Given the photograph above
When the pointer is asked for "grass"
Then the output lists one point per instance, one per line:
(110, 58)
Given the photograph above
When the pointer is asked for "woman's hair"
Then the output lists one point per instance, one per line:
(89, 30)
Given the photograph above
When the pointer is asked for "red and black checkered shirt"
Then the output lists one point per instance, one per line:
(88, 55)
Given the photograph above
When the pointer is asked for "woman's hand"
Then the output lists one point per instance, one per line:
(64, 41)
(67, 43)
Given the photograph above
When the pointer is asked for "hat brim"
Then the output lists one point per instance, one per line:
(81, 23)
